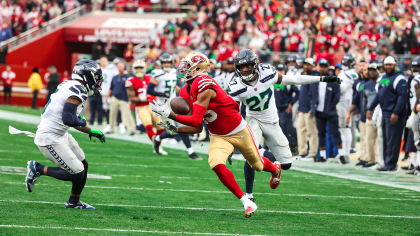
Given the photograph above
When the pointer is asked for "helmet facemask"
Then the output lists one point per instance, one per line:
(139, 71)
(185, 70)
(250, 73)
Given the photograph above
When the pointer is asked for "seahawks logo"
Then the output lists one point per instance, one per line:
(198, 59)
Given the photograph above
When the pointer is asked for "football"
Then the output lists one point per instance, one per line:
(180, 106)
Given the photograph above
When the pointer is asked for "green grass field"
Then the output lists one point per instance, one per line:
(150, 194)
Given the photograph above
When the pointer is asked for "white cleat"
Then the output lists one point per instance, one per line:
(250, 208)
(375, 167)
(107, 129)
(122, 128)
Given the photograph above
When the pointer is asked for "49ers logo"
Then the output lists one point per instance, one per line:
(198, 59)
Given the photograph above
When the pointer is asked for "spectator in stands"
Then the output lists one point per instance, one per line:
(244, 40)
(6, 32)
(3, 53)
(154, 35)
(97, 50)
(53, 81)
(119, 101)
(399, 43)
(35, 84)
(151, 53)
(54, 10)
(129, 53)
(8, 76)
(110, 50)
(65, 77)
(384, 42)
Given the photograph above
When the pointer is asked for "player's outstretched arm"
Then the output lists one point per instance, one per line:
(305, 79)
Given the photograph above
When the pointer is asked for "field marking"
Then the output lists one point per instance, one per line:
(114, 230)
(217, 209)
(227, 192)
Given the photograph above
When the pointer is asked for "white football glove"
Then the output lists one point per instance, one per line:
(167, 125)
(162, 110)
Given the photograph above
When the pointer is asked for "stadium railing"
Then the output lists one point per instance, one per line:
(47, 27)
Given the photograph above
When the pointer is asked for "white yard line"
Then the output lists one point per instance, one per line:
(216, 209)
(228, 192)
(113, 230)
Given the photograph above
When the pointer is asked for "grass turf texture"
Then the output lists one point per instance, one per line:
(137, 167)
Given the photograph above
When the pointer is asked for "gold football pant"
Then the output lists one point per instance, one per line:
(147, 117)
(222, 146)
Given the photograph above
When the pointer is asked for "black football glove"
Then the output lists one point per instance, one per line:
(96, 134)
(165, 95)
(331, 79)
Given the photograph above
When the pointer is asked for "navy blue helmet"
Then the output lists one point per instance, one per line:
(416, 65)
(90, 73)
(166, 57)
(243, 57)
(280, 67)
(348, 60)
(292, 58)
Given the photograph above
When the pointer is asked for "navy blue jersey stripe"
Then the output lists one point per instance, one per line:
(238, 92)
(74, 90)
(268, 77)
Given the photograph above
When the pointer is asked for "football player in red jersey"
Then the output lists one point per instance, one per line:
(136, 91)
(221, 115)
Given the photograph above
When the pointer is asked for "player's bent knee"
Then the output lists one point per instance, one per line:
(286, 166)
(79, 176)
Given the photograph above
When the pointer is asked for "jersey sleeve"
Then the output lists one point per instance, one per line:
(129, 83)
(78, 91)
(235, 90)
(158, 74)
(202, 83)
(268, 74)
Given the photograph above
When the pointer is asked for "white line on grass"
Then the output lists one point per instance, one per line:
(216, 209)
(113, 230)
(227, 192)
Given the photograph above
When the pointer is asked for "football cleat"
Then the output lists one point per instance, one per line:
(194, 156)
(414, 171)
(361, 163)
(342, 159)
(319, 159)
(156, 145)
(250, 209)
(307, 158)
(32, 175)
(375, 167)
(385, 169)
(409, 167)
(368, 165)
(275, 181)
(79, 205)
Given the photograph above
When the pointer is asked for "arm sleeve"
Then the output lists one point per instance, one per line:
(346, 84)
(151, 90)
(401, 89)
(356, 99)
(69, 116)
(296, 97)
(195, 119)
(299, 79)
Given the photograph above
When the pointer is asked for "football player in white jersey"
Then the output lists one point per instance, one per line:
(347, 76)
(62, 112)
(253, 85)
(163, 85)
(413, 121)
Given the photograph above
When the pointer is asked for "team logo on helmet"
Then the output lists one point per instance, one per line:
(198, 59)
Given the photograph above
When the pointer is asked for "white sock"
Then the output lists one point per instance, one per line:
(190, 150)
(157, 138)
(341, 152)
(323, 154)
(244, 200)
(414, 158)
(418, 159)
(249, 195)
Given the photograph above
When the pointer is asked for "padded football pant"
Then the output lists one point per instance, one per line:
(71, 161)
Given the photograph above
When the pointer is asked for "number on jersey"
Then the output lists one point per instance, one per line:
(210, 116)
(170, 86)
(254, 102)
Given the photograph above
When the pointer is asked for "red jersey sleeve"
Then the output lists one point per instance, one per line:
(202, 83)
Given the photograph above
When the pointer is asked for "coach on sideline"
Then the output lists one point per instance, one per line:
(392, 97)
(119, 101)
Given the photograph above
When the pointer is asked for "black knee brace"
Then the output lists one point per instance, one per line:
(80, 176)
(286, 166)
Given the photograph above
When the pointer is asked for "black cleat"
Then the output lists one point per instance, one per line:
(409, 167)
(156, 145)
(194, 156)
(361, 163)
(342, 160)
(414, 171)
(319, 159)
(367, 165)
(385, 169)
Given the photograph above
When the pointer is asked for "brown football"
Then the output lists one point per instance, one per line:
(180, 106)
